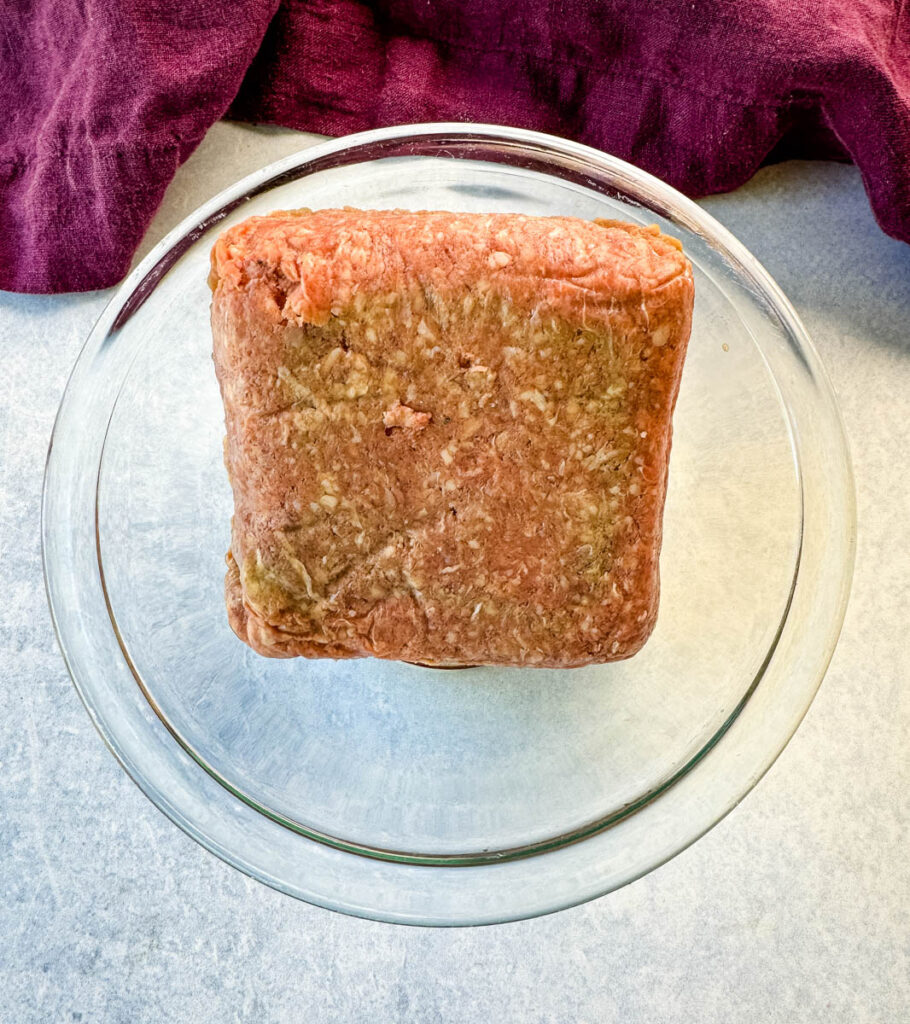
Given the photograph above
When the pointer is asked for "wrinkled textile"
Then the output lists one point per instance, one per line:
(101, 100)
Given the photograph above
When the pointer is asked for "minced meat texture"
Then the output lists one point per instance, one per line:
(447, 434)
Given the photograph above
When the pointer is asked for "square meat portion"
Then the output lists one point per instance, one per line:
(447, 433)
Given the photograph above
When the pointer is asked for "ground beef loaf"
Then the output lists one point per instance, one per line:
(447, 434)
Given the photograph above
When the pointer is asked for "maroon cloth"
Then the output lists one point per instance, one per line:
(101, 100)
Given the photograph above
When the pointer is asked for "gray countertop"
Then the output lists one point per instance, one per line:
(796, 907)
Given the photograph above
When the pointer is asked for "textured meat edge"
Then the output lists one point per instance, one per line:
(270, 642)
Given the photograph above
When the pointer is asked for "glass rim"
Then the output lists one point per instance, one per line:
(648, 192)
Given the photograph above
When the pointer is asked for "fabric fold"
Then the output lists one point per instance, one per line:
(100, 103)
(104, 100)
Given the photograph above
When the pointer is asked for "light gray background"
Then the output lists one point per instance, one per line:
(795, 908)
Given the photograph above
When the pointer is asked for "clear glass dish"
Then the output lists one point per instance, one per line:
(411, 794)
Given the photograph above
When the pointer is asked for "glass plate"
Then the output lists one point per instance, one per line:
(418, 795)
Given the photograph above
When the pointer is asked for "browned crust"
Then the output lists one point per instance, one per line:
(448, 434)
